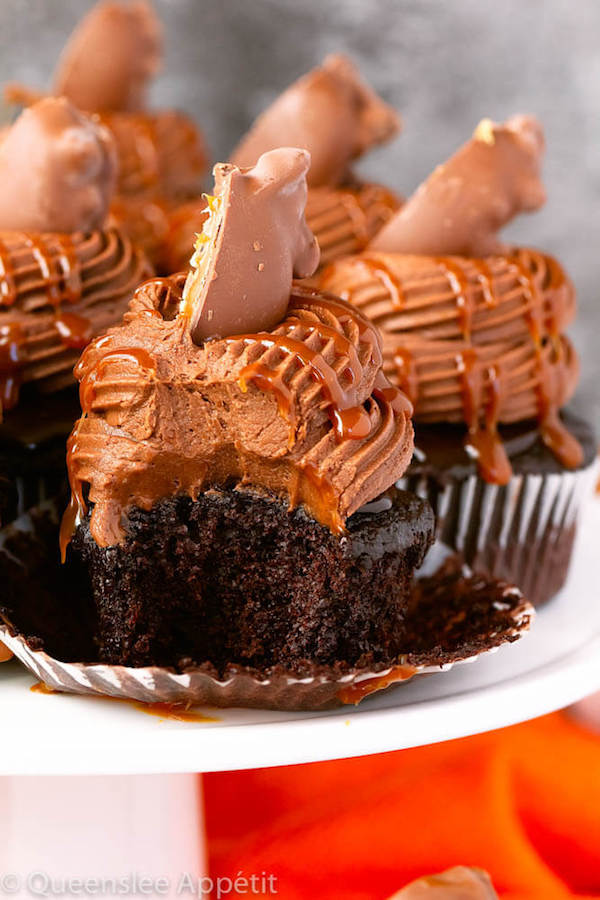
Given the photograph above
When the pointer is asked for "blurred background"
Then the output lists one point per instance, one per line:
(444, 65)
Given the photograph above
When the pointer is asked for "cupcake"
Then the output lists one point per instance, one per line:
(233, 468)
(474, 332)
(106, 69)
(334, 115)
(64, 278)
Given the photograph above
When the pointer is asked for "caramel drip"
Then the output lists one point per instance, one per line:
(485, 278)
(391, 396)
(406, 370)
(75, 331)
(324, 499)
(358, 690)
(8, 287)
(459, 285)
(557, 438)
(65, 285)
(11, 352)
(350, 420)
(378, 269)
(483, 438)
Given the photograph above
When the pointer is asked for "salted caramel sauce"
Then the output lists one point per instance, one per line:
(8, 287)
(174, 712)
(354, 693)
(350, 420)
(484, 386)
(541, 318)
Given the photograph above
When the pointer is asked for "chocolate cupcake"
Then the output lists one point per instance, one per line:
(334, 115)
(474, 332)
(234, 427)
(64, 278)
(106, 69)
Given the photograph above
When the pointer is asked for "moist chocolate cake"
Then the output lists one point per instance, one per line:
(237, 577)
(474, 332)
(337, 117)
(234, 427)
(64, 278)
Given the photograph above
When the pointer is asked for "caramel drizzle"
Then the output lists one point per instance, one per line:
(557, 438)
(61, 281)
(8, 287)
(349, 418)
(478, 380)
(389, 281)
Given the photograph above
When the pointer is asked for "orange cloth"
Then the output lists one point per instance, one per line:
(522, 803)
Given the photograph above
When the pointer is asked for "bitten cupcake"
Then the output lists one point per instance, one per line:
(334, 115)
(64, 278)
(474, 332)
(106, 68)
(234, 427)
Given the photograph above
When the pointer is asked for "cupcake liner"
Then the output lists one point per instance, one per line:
(522, 532)
(241, 687)
(45, 633)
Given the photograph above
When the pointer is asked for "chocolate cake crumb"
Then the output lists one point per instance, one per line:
(235, 577)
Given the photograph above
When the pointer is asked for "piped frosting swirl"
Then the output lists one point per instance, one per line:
(298, 407)
(472, 339)
(58, 289)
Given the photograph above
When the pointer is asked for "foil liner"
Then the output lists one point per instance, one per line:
(522, 532)
(480, 617)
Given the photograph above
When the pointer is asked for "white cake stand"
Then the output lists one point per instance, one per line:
(43, 819)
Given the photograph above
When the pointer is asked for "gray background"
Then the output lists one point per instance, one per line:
(443, 63)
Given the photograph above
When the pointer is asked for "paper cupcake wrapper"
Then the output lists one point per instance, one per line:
(522, 532)
(241, 688)
(502, 616)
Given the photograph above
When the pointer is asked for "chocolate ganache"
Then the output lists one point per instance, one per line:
(473, 330)
(214, 379)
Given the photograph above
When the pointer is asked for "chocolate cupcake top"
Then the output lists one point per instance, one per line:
(63, 278)
(232, 374)
(473, 329)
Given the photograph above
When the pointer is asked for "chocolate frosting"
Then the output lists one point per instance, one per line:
(467, 200)
(472, 339)
(302, 411)
(330, 112)
(57, 170)
(459, 883)
(62, 278)
(111, 57)
(254, 241)
(57, 291)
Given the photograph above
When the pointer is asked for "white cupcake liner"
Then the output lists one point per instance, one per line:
(522, 532)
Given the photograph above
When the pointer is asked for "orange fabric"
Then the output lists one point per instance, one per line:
(523, 803)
